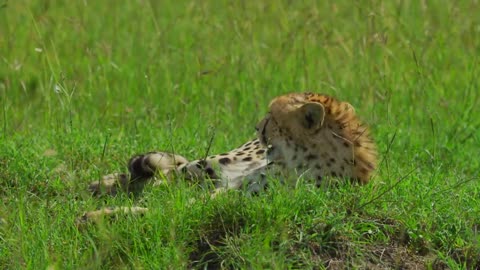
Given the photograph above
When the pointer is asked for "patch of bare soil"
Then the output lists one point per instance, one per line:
(382, 257)
(205, 255)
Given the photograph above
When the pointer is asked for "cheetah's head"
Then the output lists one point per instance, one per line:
(290, 122)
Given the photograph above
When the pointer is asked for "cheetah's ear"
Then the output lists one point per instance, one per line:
(312, 115)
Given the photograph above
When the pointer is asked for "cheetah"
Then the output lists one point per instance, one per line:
(312, 135)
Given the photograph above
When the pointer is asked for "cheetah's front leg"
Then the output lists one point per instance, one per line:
(142, 170)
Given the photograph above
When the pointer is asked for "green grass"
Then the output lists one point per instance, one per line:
(86, 84)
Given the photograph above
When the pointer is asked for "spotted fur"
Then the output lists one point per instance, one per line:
(306, 134)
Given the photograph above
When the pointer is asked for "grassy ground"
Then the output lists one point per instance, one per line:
(86, 84)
